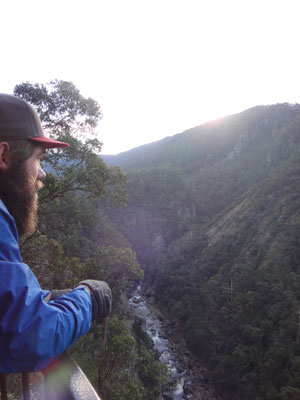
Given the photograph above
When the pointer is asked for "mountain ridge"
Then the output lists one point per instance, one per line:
(221, 126)
(215, 219)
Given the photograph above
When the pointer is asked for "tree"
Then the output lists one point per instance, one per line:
(119, 266)
(61, 107)
(66, 115)
(62, 250)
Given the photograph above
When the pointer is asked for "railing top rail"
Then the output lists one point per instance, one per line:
(63, 380)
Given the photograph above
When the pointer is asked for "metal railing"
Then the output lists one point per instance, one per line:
(62, 380)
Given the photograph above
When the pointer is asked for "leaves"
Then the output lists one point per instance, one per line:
(61, 107)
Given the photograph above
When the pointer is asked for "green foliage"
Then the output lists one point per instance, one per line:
(128, 369)
(75, 239)
(152, 374)
(76, 179)
(244, 289)
(213, 214)
(289, 393)
(119, 266)
(121, 346)
(61, 106)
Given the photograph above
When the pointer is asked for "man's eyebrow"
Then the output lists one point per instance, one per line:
(41, 153)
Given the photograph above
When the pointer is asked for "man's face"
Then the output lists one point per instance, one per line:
(33, 166)
(18, 190)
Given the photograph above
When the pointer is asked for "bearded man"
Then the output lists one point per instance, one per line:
(35, 325)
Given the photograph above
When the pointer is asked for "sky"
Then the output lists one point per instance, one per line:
(156, 67)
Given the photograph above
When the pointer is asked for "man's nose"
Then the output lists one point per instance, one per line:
(41, 174)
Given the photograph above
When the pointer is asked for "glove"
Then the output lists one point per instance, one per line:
(101, 298)
(55, 294)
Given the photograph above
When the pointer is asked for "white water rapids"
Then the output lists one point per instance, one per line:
(152, 326)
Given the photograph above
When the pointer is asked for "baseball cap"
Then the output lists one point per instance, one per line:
(19, 120)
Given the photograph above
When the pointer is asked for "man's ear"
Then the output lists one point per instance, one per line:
(5, 161)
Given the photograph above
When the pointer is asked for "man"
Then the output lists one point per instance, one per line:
(35, 325)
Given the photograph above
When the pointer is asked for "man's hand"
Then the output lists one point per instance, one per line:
(101, 297)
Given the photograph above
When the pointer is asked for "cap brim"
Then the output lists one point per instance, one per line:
(49, 143)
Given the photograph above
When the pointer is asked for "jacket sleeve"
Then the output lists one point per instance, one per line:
(33, 332)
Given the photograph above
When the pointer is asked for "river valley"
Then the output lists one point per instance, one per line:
(187, 379)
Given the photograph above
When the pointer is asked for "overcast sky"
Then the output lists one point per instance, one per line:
(156, 67)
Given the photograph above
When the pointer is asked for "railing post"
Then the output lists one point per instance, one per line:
(3, 386)
(25, 383)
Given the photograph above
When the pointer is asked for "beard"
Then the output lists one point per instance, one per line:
(18, 191)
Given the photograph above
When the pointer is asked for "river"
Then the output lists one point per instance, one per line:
(185, 383)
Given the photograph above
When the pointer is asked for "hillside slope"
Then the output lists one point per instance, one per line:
(188, 179)
(234, 288)
(214, 216)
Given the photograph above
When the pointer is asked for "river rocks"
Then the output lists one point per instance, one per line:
(136, 299)
(188, 379)
(187, 387)
(164, 335)
(181, 373)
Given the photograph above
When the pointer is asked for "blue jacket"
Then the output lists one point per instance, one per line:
(33, 332)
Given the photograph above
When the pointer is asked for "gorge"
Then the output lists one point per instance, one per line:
(186, 379)
(213, 215)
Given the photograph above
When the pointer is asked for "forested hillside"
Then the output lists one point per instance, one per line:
(213, 214)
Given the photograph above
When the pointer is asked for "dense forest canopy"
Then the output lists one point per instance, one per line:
(213, 214)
